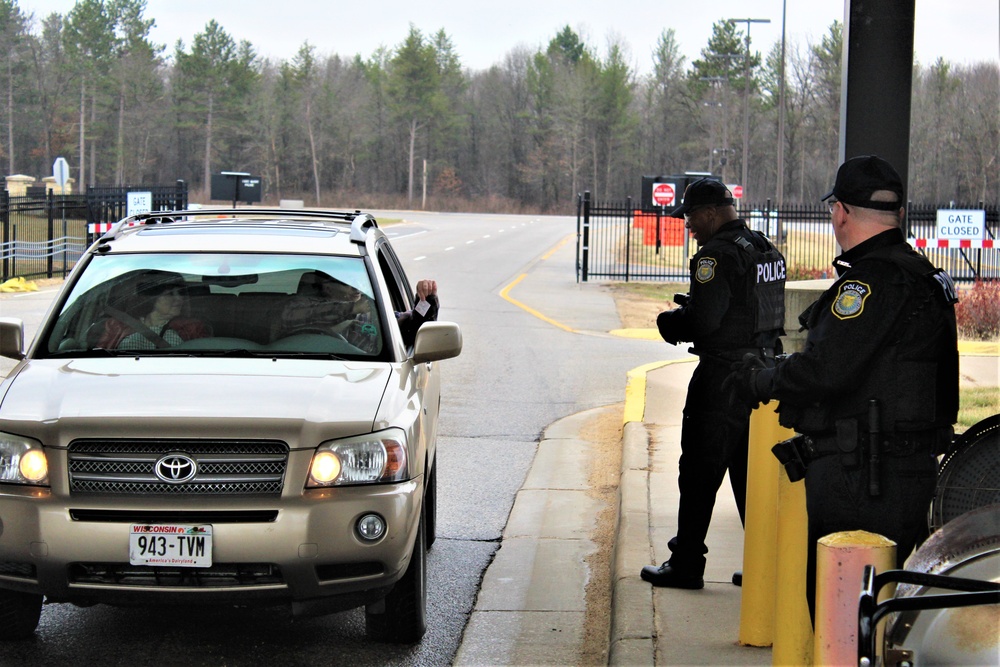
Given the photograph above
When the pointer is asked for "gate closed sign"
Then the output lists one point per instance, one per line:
(138, 202)
(961, 224)
(663, 194)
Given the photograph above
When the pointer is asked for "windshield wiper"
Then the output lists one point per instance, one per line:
(307, 355)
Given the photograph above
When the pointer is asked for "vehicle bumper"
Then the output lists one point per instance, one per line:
(310, 549)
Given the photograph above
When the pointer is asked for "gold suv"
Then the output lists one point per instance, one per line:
(225, 406)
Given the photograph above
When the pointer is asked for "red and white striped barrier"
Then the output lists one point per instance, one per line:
(955, 243)
(101, 227)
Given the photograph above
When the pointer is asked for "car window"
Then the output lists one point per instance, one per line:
(399, 289)
(212, 303)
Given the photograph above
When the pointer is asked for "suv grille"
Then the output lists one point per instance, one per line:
(177, 467)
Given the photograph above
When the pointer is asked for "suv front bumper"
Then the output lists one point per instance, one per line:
(306, 549)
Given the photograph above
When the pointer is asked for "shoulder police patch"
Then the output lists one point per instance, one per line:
(705, 270)
(850, 301)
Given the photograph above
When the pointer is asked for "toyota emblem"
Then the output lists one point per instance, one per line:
(175, 468)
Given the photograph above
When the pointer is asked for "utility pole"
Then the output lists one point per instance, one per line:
(746, 97)
(780, 194)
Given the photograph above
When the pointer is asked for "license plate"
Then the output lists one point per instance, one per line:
(170, 545)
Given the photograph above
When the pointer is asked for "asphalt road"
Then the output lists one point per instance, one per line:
(535, 350)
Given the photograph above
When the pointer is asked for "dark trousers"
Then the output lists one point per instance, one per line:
(713, 441)
(838, 499)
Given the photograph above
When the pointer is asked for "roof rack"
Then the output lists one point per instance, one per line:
(360, 222)
(360, 225)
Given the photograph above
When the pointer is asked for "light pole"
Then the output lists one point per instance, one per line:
(746, 97)
(780, 195)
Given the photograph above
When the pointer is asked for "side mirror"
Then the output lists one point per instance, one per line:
(11, 338)
(437, 340)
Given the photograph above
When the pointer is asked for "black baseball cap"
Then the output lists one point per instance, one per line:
(859, 177)
(703, 192)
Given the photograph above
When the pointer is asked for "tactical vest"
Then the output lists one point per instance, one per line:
(915, 376)
(766, 291)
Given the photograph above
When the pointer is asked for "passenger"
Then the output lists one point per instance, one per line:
(156, 319)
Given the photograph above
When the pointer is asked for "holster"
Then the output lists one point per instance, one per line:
(795, 455)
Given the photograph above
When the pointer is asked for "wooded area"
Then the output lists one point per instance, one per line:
(527, 134)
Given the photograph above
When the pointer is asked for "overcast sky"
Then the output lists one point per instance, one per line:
(961, 31)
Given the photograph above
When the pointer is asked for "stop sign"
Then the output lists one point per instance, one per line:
(737, 191)
(663, 194)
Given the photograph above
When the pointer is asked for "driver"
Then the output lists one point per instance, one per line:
(325, 305)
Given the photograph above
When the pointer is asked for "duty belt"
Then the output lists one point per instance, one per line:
(891, 444)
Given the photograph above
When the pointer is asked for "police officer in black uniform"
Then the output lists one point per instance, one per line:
(736, 306)
(875, 391)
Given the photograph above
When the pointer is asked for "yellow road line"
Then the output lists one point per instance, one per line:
(505, 294)
(557, 246)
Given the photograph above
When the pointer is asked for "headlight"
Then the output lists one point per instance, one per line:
(22, 461)
(370, 459)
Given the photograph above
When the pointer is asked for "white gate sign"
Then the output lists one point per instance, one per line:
(961, 224)
(138, 202)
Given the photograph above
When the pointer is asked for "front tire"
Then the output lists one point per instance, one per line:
(19, 614)
(401, 618)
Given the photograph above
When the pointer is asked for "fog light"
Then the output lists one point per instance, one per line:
(371, 527)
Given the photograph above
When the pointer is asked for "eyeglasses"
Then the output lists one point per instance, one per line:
(833, 202)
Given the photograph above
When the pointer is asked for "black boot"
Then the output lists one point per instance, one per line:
(667, 576)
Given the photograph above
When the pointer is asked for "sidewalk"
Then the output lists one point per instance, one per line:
(661, 626)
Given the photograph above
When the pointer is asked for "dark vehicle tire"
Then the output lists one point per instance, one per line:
(402, 618)
(19, 614)
(430, 507)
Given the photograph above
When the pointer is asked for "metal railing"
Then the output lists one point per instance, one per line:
(618, 241)
(41, 235)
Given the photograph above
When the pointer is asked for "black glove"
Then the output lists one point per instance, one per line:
(741, 384)
(666, 325)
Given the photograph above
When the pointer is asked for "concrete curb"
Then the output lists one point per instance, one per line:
(632, 623)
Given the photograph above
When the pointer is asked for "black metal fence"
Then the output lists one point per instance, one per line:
(110, 203)
(43, 235)
(618, 241)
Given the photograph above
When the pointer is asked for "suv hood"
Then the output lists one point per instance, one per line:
(194, 398)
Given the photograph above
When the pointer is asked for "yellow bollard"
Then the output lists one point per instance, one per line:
(759, 544)
(840, 563)
(793, 635)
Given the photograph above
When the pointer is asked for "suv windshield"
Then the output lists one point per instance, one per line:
(212, 304)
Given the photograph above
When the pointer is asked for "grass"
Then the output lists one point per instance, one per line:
(648, 290)
(976, 404)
